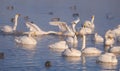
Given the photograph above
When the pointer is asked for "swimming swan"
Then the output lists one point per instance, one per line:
(71, 51)
(26, 40)
(98, 38)
(61, 45)
(10, 29)
(89, 50)
(108, 58)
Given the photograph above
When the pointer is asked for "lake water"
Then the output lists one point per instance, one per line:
(32, 58)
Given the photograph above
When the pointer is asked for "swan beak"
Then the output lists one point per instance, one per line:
(93, 16)
(18, 14)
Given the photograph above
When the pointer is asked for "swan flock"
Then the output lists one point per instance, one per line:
(69, 45)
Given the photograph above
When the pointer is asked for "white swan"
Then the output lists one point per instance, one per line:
(64, 28)
(26, 40)
(72, 41)
(61, 45)
(89, 50)
(37, 31)
(90, 24)
(72, 52)
(9, 29)
(108, 58)
(115, 49)
(98, 38)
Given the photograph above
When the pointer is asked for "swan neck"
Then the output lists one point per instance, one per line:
(84, 42)
(16, 22)
(73, 27)
(92, 20)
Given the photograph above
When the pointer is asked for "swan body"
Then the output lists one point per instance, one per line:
(98, 38)
(10, 29)
(59, 45)
(7, 29)
(25, 40)
(71, 52)
(115, 49)
(91, 51)
(107, 58)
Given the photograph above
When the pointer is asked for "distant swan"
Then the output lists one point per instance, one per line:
(9, 29)
(37, 31)
(115, 49)
(26, 40)
(108, 58)
(61, 45)
(89, 50)
(98, 38)
(71, 51)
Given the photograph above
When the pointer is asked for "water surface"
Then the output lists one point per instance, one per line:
(32, 58)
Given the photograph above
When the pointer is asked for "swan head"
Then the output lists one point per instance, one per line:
(93, 16)
(17, 15)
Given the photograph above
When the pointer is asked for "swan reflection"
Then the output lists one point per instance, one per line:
(73, 59)
(27, 47)
(108, 66)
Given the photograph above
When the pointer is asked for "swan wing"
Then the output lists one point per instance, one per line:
(32, 26)
(61, 25)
